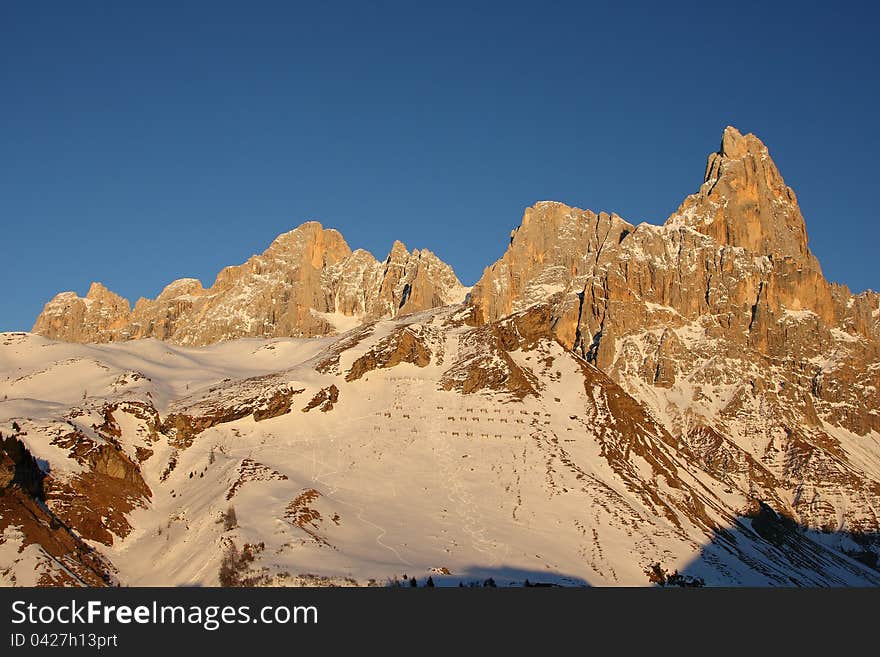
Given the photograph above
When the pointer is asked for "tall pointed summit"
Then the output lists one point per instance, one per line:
(744, 201)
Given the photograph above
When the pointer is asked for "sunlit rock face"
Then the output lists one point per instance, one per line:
(307, 283)
(730, 268)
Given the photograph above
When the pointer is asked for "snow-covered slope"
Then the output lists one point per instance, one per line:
(420, 445)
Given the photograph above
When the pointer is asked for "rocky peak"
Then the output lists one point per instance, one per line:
(98, 292)
(311, 243)
(398, 253)
(416, 280)
(732, 262)
(744, 202)
(308, 282)
(735, 146)
(93, 318)
(100, 301)
(552, 251)
(180, 288)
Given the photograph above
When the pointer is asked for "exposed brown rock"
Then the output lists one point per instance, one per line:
(66, 559)
(323, 400)
(19, 468)
(414, 281)
(328, 361)
(745, 202)
(98, 500)
(278, 404)
(263, 397)
(302, 512)
(250, 470)
(485, 363)
(402, 346)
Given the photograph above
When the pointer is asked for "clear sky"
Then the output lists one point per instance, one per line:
(143, 144)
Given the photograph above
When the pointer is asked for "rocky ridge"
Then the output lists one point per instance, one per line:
(307, 283)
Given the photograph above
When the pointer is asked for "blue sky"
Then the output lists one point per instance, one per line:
(139, 144)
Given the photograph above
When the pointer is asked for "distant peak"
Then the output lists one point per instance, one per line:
(309, 225)
(548, 203)
(305, 274)
(362, 254)
(95, 289)
(543, 212)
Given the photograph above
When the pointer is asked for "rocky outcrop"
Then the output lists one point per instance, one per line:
(307, 283)
(97, 500)
(250, 470)
(62, 557)
(407, 345)
(324, 399)
(484, 360)
(302, 512)
(263, 397)
(414, 281)
(19, 468)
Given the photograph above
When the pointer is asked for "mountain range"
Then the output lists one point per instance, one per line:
(610, 404)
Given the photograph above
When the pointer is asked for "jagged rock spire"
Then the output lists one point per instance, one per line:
(744, 202)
